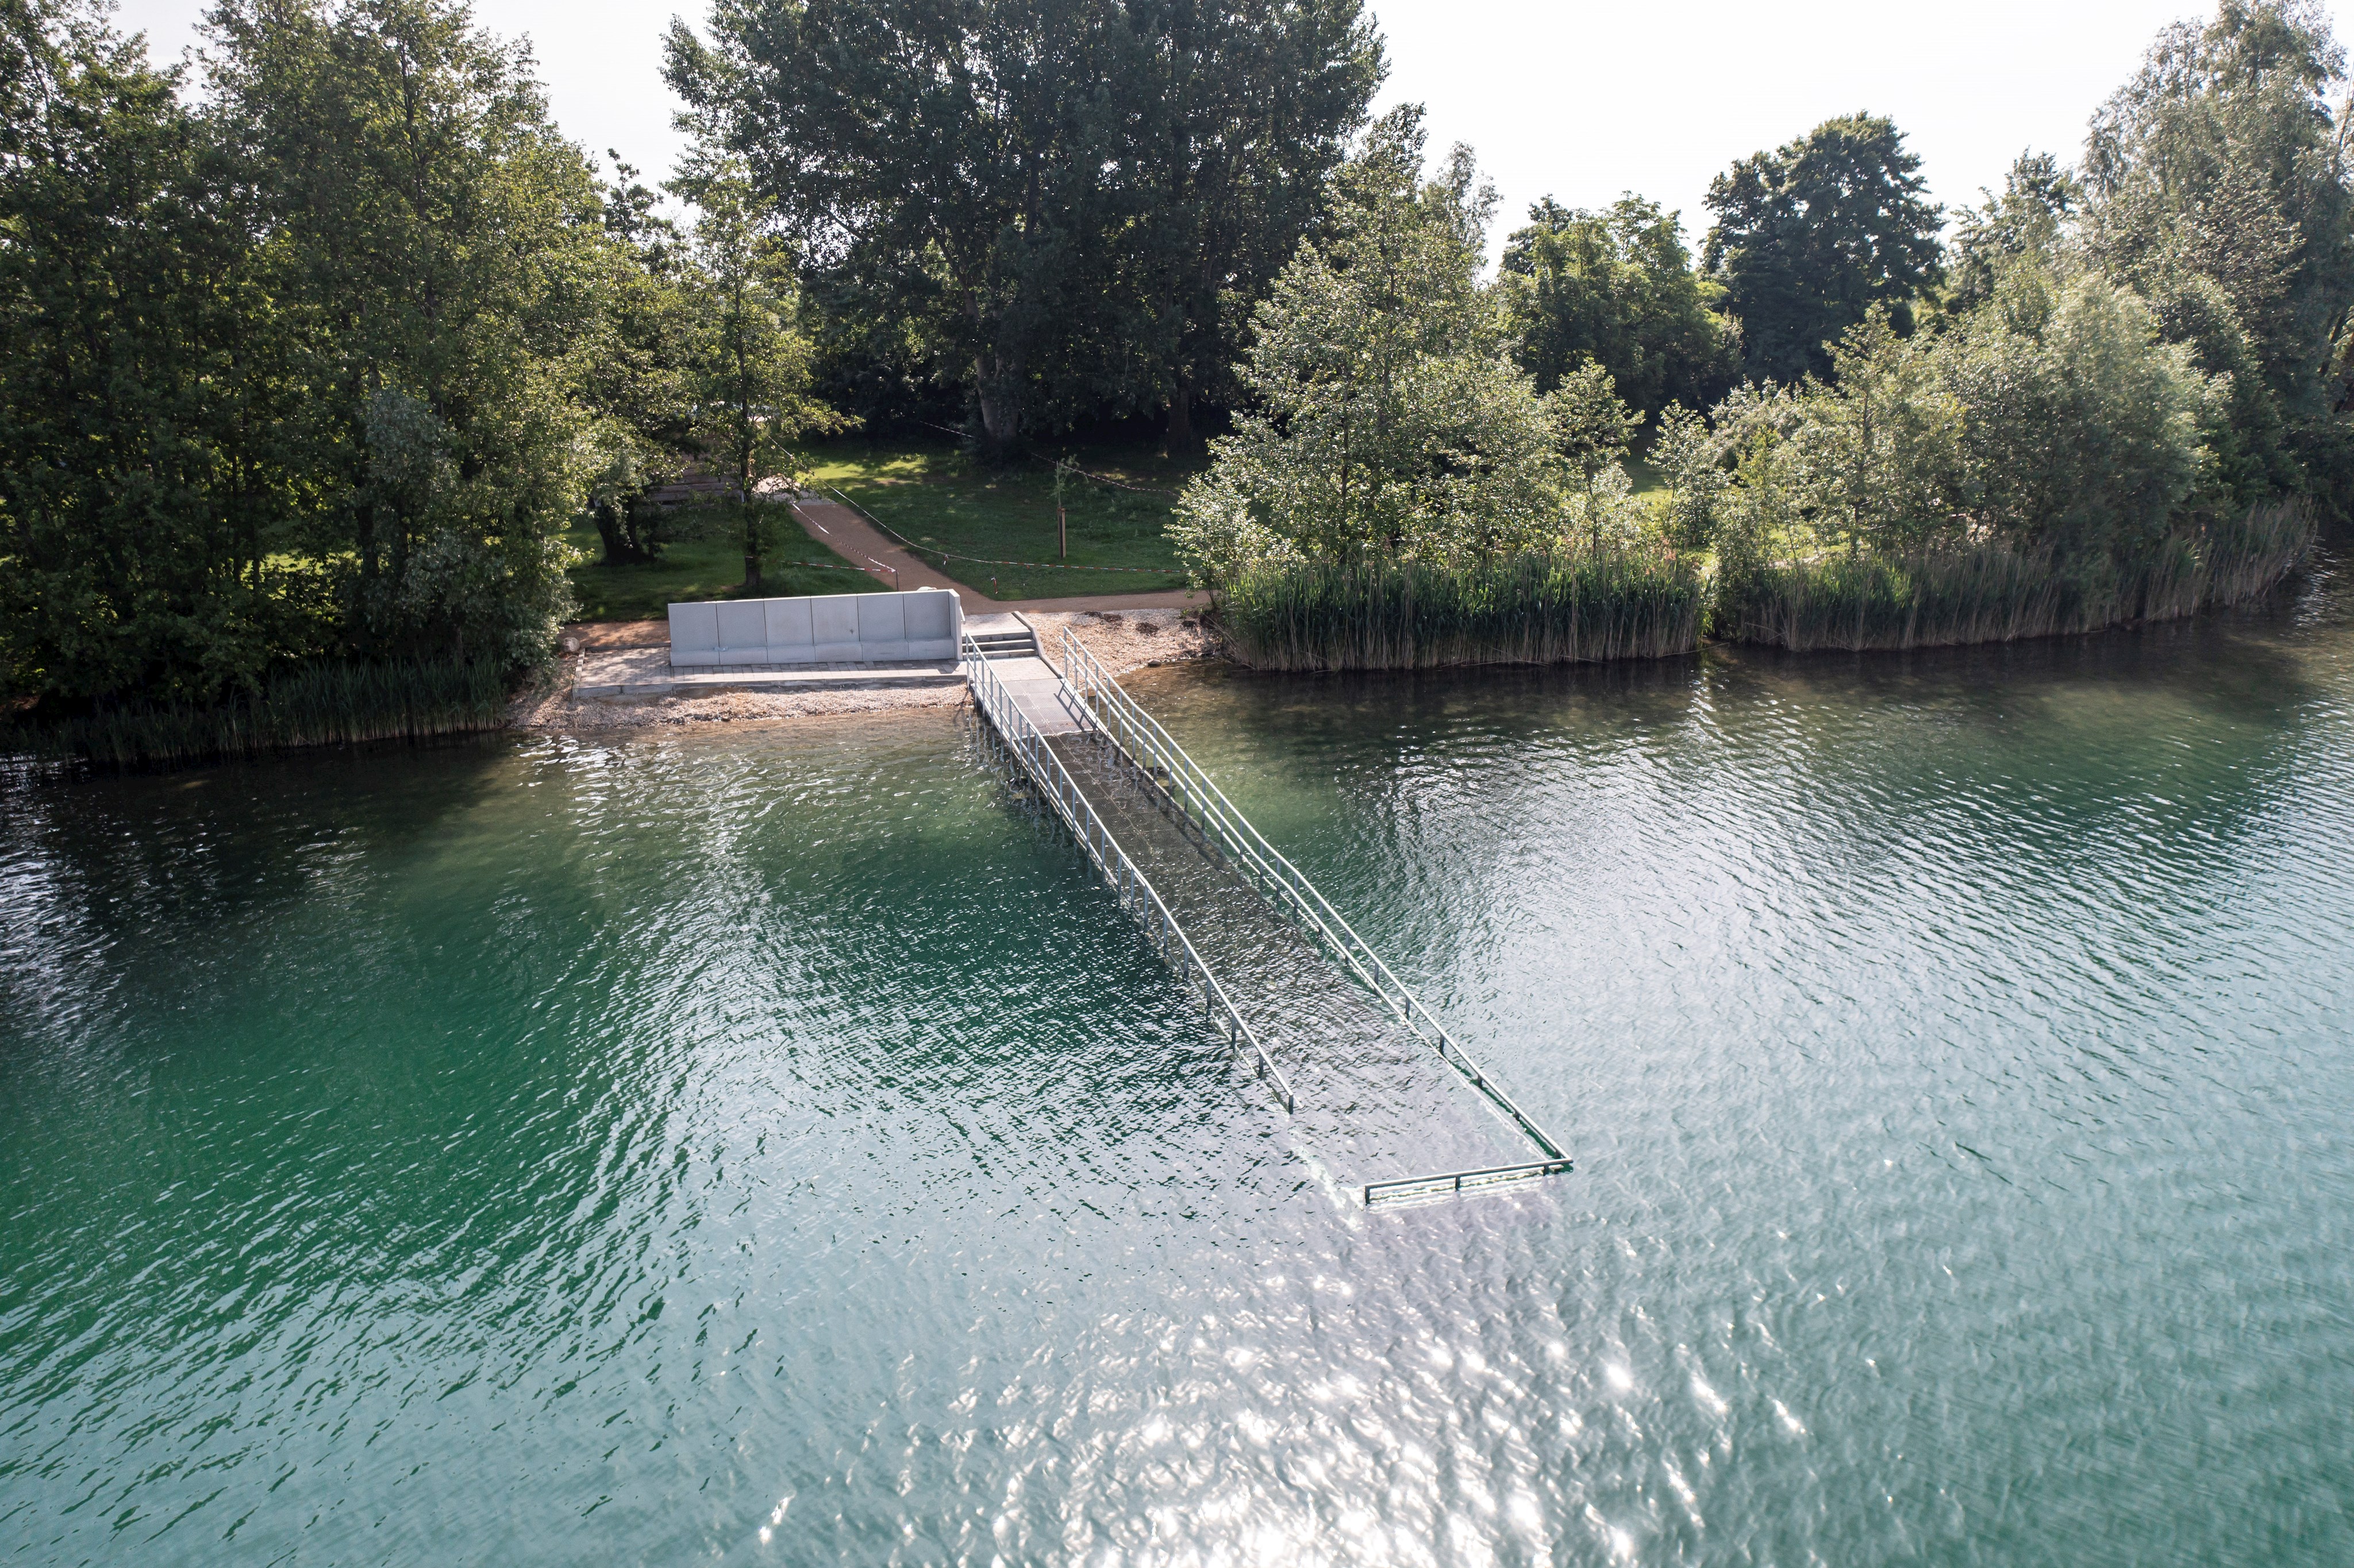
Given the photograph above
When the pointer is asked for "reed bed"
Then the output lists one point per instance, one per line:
(1992, 593)
(1536, 608)
(316, 704)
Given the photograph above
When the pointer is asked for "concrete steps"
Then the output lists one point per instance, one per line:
(1003, 637)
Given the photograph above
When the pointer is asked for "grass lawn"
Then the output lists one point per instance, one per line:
(932, 495)
(705, 569)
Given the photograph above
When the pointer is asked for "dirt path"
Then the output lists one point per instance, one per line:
(861, 543)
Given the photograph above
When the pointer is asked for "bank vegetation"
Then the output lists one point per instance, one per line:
(2120, 395)
(313, 350)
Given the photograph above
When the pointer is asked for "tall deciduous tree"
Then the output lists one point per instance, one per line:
(641, 383)
(1076, 199)
(437, 254)
(145, 499)
(954, 154)
(1809, 237)
(1617, 289)
(1386, 416)
(2218, 185)
(1241, 109)
(750, 366)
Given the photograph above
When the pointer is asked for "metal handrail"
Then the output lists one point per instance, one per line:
(1126, 880)
(1453, 1180)
(1125, 721)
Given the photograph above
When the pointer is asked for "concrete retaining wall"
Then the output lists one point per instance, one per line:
(826, 629)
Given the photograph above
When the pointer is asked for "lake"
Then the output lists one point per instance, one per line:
(771, 1145)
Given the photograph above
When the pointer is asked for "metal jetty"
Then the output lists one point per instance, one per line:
(1042, 715)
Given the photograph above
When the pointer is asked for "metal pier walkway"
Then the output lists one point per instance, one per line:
(1272, 961)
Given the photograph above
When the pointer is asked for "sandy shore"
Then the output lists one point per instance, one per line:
(1124, 640)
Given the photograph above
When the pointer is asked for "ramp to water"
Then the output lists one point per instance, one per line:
(1371, 1100)
(1389, 1096)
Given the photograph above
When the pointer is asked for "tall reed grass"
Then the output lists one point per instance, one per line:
(1992, 593)
(316, 704)
(1535, 608)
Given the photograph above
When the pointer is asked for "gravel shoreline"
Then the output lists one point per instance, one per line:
(1124, 640)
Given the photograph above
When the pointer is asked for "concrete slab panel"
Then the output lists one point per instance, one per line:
(694, 630)
(928, 614)
(788, 622)
(833, 618)
(744, 624)
(881, 617)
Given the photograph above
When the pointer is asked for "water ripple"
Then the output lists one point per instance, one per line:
(773, 1147)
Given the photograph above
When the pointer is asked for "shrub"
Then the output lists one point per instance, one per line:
(1993, 592)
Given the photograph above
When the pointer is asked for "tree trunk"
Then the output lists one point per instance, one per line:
(751, 523)
(1181, 441)
(618, 549)
(1001, 411)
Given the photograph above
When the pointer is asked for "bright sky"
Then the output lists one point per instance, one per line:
(1571, 99)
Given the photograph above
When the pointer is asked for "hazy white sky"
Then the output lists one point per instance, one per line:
(1573, 100)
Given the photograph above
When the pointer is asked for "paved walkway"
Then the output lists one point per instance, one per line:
(861, 543)
(646, 672)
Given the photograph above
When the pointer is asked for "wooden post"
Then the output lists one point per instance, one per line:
(1062, 522)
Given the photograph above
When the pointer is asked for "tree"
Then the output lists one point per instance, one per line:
(1811, 236)
(1386, 417)
(953, 157)
(1878, 444)
(2027, 223)
(1242, 111)
(1072, 203)
(2221, 162)
(2082, 429)
(750, 369)
(640, 384)
(437, 254)
(2051, 418)
(144, 505)
(1617, 289)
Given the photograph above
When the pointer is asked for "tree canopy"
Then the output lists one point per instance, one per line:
(2217, 186)
(1811, 236)
(1385, 414)
(1064, 196)
(1617, 289)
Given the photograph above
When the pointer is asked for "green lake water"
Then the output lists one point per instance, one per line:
(772, 1146)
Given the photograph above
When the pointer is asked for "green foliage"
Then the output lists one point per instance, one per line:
(314, 704)
(1534, 608)
(2025, 224)
(2038, 470)
(1878, 445)
(437, 260)
(2081, 431)
(2221, 164)
(1616, 288)
(2051, 416)
(748, 369)
(1070, 202)
(640, 387)
(146, 502)
(1216, 190)
(1386, 417)
(1811, 236)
